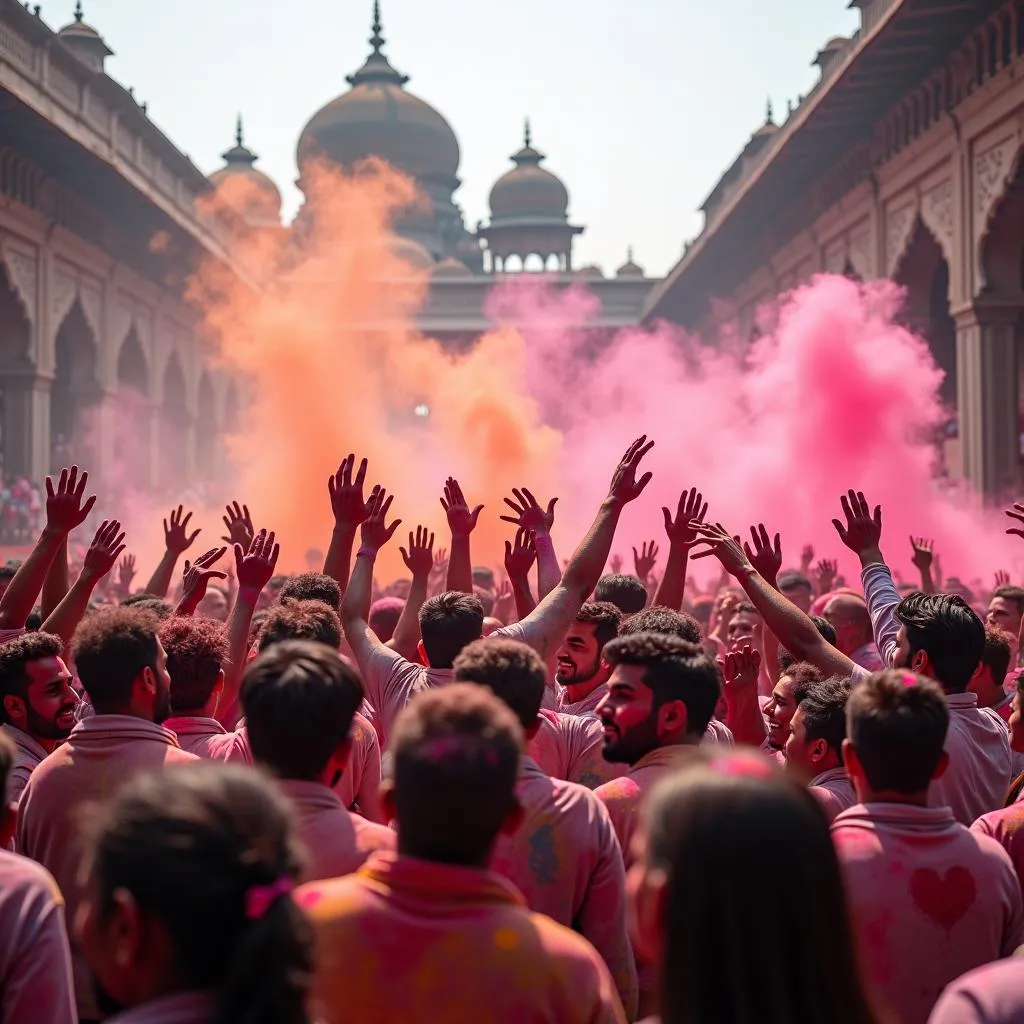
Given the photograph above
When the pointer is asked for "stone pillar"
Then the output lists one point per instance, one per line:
(26, 425)
(986, 351)
(105, 417)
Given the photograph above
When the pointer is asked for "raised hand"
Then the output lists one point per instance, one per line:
(624, 486)
(645, 560)
(238, 523)
(615, 564)
(825, 574)
(461, 521)
(528, 513)
(519, 557)
(198, 575)
(176, 536)
(104, 551)
(375, 532)
(505, 603)
(347, 504)
(256, 563)
(64, 507)
(806, 558)
(419, 558)
(1002, 578)
(922, 557)
(863, 529)
(1017, 512)
(725, 547)
(740, 667)
(766, 554)
(692, 508)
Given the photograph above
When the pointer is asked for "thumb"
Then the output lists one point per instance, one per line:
(551, 506)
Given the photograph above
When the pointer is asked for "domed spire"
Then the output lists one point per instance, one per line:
(769, 117)
(377, 67)
(528, 156)
(239, 153)
(84, 41)
(78, 11)
(630, 268)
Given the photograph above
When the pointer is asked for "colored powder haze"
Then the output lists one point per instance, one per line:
(833, 395)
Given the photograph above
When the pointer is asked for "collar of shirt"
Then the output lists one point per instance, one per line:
(832, 775)
(906, 817)
(660, 756)
(314, 795)
(431, 882)
(100, 728)
(194, 725)
(23, 741)
(177, 1008)
(961, 701)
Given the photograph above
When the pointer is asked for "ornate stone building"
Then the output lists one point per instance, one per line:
(903, 162)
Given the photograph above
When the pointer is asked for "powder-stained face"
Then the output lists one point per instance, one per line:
(628, 715)
(779, 711)
(1003, 613)
(52, 701)
(579, 657)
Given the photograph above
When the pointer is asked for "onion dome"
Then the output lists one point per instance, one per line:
(629, 268)
(246, 188)
(592, 270)
(85, 42)
(451, 267)
(379, 117)
(528, 191)
(411, 253)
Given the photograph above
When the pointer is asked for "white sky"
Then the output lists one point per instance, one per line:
(639, 106)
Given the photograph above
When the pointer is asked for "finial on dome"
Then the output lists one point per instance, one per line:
(769, 117)
(239, 134)
(377, 39)
(79, 14)
(526, 134)
(376, 68)
(629, 254)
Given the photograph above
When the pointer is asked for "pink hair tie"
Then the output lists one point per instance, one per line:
(260, 898)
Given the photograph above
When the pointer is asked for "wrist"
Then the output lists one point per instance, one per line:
(543, 540)
(249, 593)
(55, 533)
(367, 551)
(870, 556)
(345, 530)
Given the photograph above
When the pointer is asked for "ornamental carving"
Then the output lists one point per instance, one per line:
(860, 256)
(991, 173)
(23, 272)
(92, 308)
(835, 258)
(937, 214)
(62, 298)
(899, 226)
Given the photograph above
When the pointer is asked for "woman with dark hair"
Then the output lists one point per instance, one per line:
(188, 917)
(737, 897)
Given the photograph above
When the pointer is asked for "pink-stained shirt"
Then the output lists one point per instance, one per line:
(101, 753)
(1006, 827)
(407, 939)
(572, 748)
(980, 767)
(178, 1008)
(718, 732)
(993, 994)
(336, 841)
(35, 963)
(587, 706)
(359, 785)
(834, 791)
(929, 900)
(28, 756)
(566, 861)
(207, 738)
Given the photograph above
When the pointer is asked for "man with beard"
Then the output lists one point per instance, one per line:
(660, 698)
(123, 667)
(37, 702)
(580, 669)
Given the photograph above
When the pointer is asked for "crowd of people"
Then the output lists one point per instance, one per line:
(557, 794)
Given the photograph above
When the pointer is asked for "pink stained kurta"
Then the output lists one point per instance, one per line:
(359, 785)
(29, 755)
(36, 985)
(993, 994)
(177, 1008)
(336, 841)
(406, 940)
(834, 791)
(571, 747)
(207, 738)
(101, 753)
(587, 706)
(719, 733)
(1006, 827)
(566, 861)
(929, 900)
(980, 767)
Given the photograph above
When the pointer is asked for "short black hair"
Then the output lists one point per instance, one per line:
(804, 676)
(448, 622)
(197, 649)
(146, 602)
(673, 670)
(997, 653)
(823, 708)
(513, 671)
(312, 586)
(897, 723)
(949, 631)
(111, 647)
(627, 593)
(299, 698)
(791, 579)
(658, 619)
(8, 571)
(606, 619)
(16, 654)
(301, 620)
(1014, 594)
(825, 629)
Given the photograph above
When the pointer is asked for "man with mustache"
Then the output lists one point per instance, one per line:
(37, 701)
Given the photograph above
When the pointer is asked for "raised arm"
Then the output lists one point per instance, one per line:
(197, 577)
(419, 560)
(349, 510)
(681, 538)
(104, 551)
(177, 540)
(922, 560)
(531, 517)
(741, 670)
(792, 627)
(644, 562)
(65, 510)
(57, 582)
(862, 534)
(461, 522)
(254, 568)
(519, 557)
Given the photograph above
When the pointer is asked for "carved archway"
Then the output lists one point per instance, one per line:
(76, 392)
(15, 361)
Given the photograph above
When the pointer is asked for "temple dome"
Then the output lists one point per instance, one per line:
(451, 267)
(528, 191)
(248, 189)
(84, 41)
(629, 268)
(378, 117)
(412, 253)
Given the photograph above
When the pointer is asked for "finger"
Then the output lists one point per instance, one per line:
(477, 511)
(551, 506)
(72, 479)
(391, 530)
(166, 527)
(82, 481)
(508, 550)
(704, 554)
(184, 524)
(845, 502)
(530, 498)
(387, 504)
(50, 492)
(668, 518)
(518, 494)
(509, 519)
(404, 554)
(645, 479)
(273, 556)
(444, 505)
(430, 546)
(778, 546)
(361, 472)
(840, 529)
(512, 505)
(195, 534)
(62, 486)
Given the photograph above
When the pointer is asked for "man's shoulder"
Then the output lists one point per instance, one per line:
(24, 880)
(619, 793)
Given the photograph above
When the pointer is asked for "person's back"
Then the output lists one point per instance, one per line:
(929, 899)
(993, 994)
(35, 962)
(1006, 827)
(429, 931)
